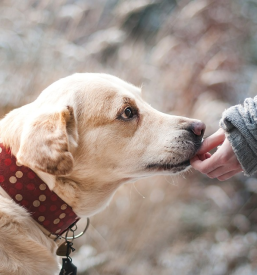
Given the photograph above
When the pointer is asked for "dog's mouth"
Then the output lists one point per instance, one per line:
(169, 166)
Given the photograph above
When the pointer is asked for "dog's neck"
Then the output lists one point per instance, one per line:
(30, 191)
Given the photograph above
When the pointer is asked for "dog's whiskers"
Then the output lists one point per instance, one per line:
(138, 191)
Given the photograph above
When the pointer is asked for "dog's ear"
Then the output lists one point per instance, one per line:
(47, 140)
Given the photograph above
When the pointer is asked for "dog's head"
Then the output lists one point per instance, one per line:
(97, 127)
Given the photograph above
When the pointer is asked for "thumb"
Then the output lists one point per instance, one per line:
(212, 142)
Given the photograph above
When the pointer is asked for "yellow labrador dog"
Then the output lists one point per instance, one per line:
(84, 136)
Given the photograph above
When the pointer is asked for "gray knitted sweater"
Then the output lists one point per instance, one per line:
(240, 125)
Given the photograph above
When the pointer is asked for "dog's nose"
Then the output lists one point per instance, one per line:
(198, 128)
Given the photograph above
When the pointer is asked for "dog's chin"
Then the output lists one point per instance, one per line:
(169, 167)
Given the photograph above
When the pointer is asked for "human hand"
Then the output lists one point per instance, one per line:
(223, 164)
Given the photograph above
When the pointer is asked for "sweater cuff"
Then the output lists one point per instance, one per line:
(231, 124)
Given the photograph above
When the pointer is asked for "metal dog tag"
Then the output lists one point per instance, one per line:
(64, 249)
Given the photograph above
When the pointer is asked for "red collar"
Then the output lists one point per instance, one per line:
(29, 191)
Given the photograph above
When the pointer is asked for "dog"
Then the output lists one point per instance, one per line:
(83, 137)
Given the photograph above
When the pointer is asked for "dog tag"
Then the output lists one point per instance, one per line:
(68, 268)
(64, 249)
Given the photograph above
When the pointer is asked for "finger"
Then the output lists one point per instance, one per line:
(212, 141)
(225, 167)
(205, 166)
(208, 155)
(195, 159)
(229, 175)
(222, 170)
(204, 156)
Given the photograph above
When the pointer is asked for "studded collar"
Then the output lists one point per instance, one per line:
(30, 192)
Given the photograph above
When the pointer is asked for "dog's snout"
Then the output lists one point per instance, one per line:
(198, 128)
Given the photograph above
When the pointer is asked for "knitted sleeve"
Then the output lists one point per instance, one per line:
(240, 125)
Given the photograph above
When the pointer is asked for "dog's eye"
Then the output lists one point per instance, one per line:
(128, 113)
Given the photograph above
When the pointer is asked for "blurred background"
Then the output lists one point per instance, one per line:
(193, 58)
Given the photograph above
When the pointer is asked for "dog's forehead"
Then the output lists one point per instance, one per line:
(102, 88)
(109, 84)
(101, 97)
(86, 91)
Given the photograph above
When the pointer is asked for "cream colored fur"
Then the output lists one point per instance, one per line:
(77, 138)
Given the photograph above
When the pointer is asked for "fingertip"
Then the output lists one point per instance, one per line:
(212, 142)
(208, 155)
(202, 157)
